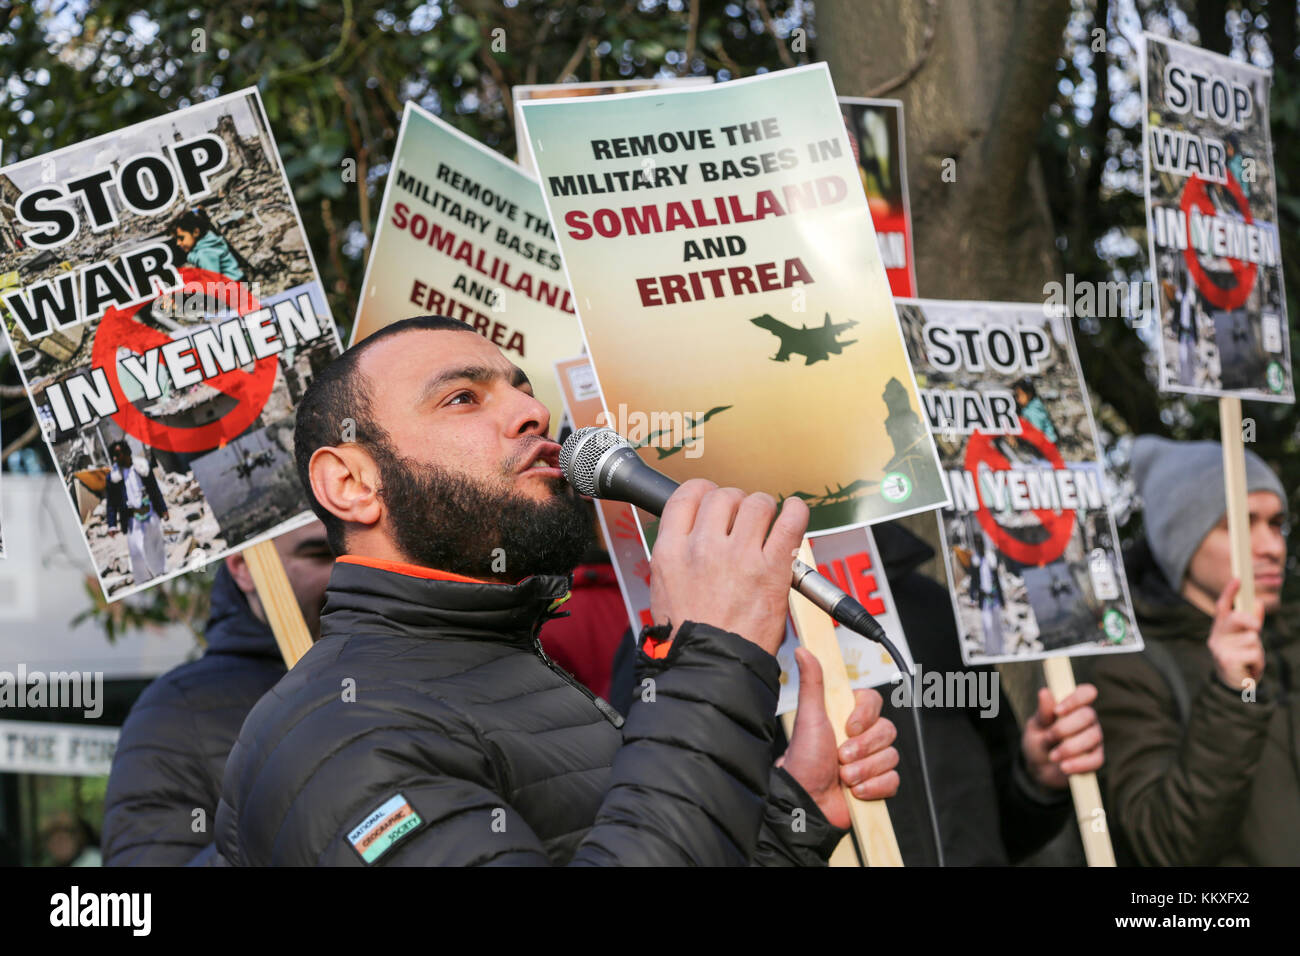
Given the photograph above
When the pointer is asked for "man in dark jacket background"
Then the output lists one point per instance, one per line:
(1202, 727)
(166, 778)
(428, 726)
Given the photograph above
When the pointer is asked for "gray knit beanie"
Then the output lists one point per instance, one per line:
(1181, 486)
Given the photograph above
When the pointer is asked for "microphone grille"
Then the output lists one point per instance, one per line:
(581, 453)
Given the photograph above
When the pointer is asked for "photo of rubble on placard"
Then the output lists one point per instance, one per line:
(171, 458)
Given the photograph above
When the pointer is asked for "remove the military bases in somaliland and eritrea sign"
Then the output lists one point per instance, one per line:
(724, 265)
(463, 233)
(1032, 554)
(167, 318)
(1216, 258)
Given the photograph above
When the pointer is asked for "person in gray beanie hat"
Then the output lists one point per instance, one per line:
(1181, 486)
(1201, 727)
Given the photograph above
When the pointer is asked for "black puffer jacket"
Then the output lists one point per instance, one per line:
(426, 728)
(174, 744)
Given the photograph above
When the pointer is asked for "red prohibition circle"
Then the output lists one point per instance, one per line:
(1059, 527)
(120, 329)
(1195, 196)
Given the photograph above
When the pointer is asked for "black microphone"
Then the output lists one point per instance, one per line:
(600, 463)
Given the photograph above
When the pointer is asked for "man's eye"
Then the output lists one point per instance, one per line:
(461, 398)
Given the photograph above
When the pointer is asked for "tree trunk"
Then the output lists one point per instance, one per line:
(974, 108)
(978, 98)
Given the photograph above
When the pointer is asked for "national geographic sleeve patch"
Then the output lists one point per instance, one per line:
(384, 827)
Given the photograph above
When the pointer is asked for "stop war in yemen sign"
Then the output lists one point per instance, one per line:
(164, 310)
(1031, 549)
(1212, 223)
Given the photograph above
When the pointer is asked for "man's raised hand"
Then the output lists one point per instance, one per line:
(721, 559)
(1234, 640)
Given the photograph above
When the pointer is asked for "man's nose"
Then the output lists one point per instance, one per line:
(1267, 541)
(529, 416)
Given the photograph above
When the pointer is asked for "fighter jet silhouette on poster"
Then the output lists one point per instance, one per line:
(815, 344)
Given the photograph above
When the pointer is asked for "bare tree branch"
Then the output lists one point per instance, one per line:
(781, 49)
(345, 34)
(530, 75)
(359, 147)
(578, 52)
(498, 77)
(720, 52)
(22, 441)
(692, 34)
(927, 44)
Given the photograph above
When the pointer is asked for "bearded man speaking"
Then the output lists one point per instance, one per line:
(427, 725)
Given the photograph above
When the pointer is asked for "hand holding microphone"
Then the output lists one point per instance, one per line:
(716, 562)
(600, 463)
(724, 558)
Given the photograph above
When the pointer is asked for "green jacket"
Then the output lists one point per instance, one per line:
(1194, 774)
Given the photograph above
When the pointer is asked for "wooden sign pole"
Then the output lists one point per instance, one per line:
(871, 825)
(1083, 786)
(1234, 487)
(278, 601)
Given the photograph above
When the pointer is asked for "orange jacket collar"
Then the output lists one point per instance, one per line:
(411, 570)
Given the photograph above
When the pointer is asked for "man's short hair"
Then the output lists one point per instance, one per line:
(339, 393)
(114, 446)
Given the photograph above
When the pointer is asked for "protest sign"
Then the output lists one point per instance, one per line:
(463, 233)
(1212, 224)
(1031, 549)
(875, 129)
(784, 358)
(627, 551)
(167, 319)
(851, 561)
(555, 91)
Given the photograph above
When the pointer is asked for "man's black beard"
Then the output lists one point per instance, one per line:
(447, 521)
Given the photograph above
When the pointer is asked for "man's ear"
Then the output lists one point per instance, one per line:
(345, 480)
(238, 569)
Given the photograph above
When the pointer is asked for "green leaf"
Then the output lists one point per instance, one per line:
(463, 25)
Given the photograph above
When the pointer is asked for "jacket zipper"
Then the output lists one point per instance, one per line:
(606, 710)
